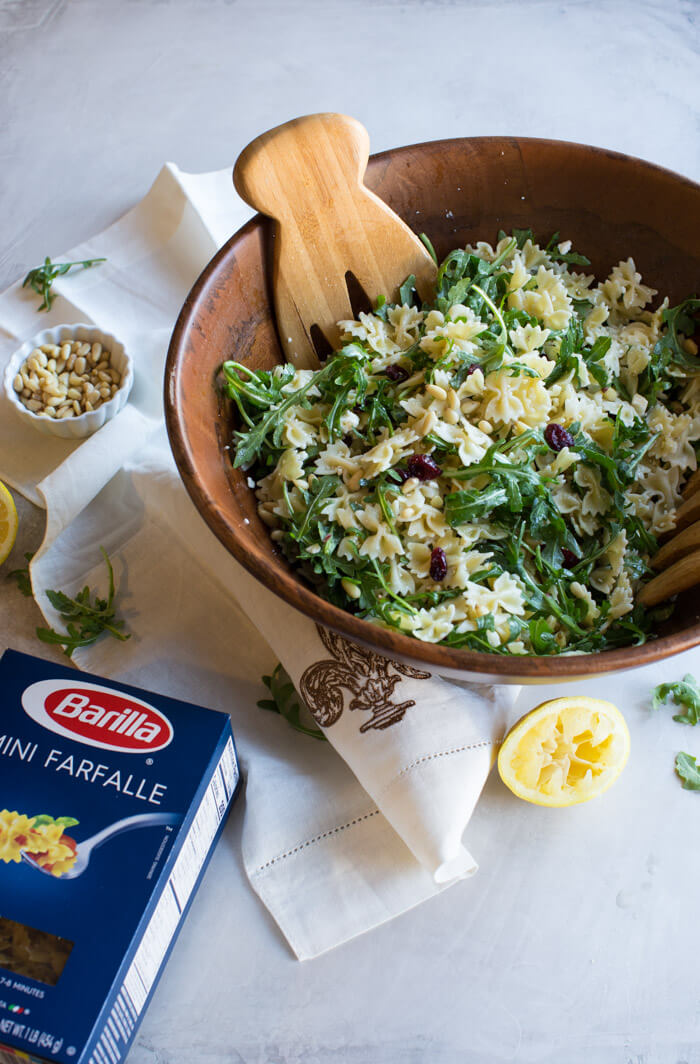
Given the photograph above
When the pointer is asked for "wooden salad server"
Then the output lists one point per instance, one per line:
(679, 558)
(308, 175)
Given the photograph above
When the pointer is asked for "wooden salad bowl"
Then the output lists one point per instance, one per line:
(457, 191)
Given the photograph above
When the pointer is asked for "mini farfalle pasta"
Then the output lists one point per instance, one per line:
(32, 953)
(42, 837)
(491, 469)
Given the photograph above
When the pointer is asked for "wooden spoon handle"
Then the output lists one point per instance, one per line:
(678, 577)
(692, 485)
(688, 512)
(308, 175)
(682, 543)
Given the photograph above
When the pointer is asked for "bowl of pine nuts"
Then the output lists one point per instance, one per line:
(69, 380)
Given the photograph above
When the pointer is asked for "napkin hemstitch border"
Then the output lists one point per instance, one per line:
(316, 838)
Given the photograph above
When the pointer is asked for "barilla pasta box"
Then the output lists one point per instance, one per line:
(111, 802)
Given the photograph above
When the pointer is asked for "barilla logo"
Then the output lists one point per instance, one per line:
(98, 716)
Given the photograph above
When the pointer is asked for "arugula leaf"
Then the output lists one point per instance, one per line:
(41, 278)
(684, 693)
(86, 618)
(22, 576)
(669, 351)
(464, 506)
(428, 243)
(569, 257)
(521, 237)
(689, 772)
(287, 703)
(407, 291)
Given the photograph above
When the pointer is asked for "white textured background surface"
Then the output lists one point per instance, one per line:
(577, 941)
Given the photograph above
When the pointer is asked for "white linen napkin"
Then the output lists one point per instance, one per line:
(339, 836)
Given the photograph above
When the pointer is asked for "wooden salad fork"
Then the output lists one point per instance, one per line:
(679, 558)
(308, 176)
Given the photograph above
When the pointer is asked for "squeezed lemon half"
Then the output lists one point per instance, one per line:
(565, 751)
(8, 522)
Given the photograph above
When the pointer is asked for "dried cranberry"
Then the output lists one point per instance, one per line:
(423, 467)
(403, 474)
(568, 558)
(557, 437)
(396, 373)
(438, 564)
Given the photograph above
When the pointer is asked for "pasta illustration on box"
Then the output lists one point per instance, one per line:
(111, 801)
(41, 836)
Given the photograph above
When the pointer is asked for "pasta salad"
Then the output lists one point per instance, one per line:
(491, 470)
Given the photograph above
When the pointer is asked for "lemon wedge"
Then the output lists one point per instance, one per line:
(8, 522)
(565, 751)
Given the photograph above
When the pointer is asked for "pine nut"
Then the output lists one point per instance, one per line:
(18, 383)
(79, 366)
(33, 405)
(74, 393)
(96, 349)
(76, 406)
(436, 391)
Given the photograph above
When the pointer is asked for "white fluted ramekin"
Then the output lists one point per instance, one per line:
(72, 428)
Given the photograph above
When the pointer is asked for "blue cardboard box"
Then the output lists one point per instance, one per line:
(111, 802)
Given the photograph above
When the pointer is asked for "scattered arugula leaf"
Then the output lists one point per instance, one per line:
(689, 771)
(684, 693)
(286, 702)
(22, 576)
(41, 278)
(86, 618)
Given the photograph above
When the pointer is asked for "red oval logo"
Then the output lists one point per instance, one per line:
(97, 715)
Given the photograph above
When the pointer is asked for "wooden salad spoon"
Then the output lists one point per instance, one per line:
(308, 176)
(679, 557)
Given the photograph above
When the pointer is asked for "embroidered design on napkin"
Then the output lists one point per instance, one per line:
(365, 675)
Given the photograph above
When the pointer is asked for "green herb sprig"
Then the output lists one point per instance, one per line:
(41, 278)
(285, 701)
(22, 576)
(86, 618)
(685, 693)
